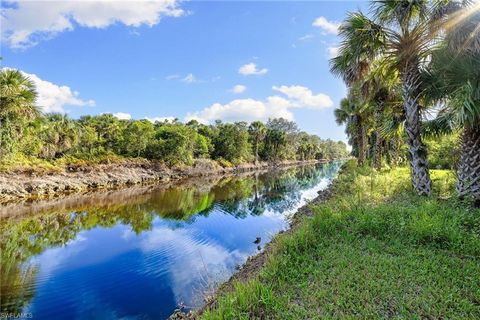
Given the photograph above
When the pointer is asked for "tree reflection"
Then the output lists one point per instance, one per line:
(238, 196)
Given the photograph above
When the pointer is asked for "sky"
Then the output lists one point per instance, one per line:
(164, 59)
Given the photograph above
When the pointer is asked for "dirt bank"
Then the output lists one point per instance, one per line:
(114, 197)
(16, 187)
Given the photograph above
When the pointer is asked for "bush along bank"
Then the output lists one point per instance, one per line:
(372, 250)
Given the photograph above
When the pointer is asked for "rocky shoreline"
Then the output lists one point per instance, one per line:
(18, 187)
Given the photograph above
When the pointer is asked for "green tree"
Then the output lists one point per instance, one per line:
(17, 106)
(379, 89)
(174, 143)
(454, 80)
(402, 32)
(137, 135)
(257, 131)
(275, 142)
(282, 139)
(59, 135)
(231, 143)
(108, 129)
(351, 114)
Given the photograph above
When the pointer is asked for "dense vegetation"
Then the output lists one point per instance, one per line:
(373, 250)
(404, 64)
(26, 135)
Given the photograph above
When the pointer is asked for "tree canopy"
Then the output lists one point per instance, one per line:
(26, 132)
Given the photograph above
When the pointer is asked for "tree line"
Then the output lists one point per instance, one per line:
(412, 69)
(25, 131)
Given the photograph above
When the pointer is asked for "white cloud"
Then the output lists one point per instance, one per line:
(239, 88)
(332, 52)
(306, 37)
(160, 119)
(199, 260)
(134, 33)
(122, 115)
(251, 69)
(26, 22)
(53, 98)
(172, 77)
(272, 107)
(244, 110)
(189, 78)
(326, 26)
(303, 97)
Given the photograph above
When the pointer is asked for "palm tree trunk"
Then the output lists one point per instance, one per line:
(361, 158)
(395, 149)
(418, 153)
(2, 151)
(364, 143)
(468, 183)
(377, 153)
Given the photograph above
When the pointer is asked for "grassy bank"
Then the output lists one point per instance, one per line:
(373, 250)
(27, 164)
(22, 164)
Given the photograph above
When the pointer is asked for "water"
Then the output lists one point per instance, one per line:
(139, 253)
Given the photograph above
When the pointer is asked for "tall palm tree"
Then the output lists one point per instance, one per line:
(400, 31)
(454, 80)
(60, 135)
(257, 131)
(352, 69)
(392, 129)
(379, 89)
(17, 104)
(352, 115)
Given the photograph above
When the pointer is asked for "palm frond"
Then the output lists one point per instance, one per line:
(363, 36)
(400, 12)
(443, 124)
(453, 79)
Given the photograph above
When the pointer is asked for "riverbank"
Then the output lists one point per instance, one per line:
(23, 185)
(369, 249)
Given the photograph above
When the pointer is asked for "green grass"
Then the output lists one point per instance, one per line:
(374, 250)
(21, 163)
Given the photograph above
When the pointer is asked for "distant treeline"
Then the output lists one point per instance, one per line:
(25, 131)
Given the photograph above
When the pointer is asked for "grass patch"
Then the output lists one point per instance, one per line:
(374, 250)
(19, 163)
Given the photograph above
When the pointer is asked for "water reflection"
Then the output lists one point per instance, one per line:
(139, 253)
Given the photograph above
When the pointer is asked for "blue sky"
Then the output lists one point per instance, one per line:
(204, 60)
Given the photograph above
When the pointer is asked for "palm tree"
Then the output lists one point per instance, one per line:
(455, 83)
(379, 89)
(60, 135)
(401, 32)
(352, 69)
(392, 130)
(257, 131)
(17, 104)
(352, 115)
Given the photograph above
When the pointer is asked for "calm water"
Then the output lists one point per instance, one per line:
(141, 252)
